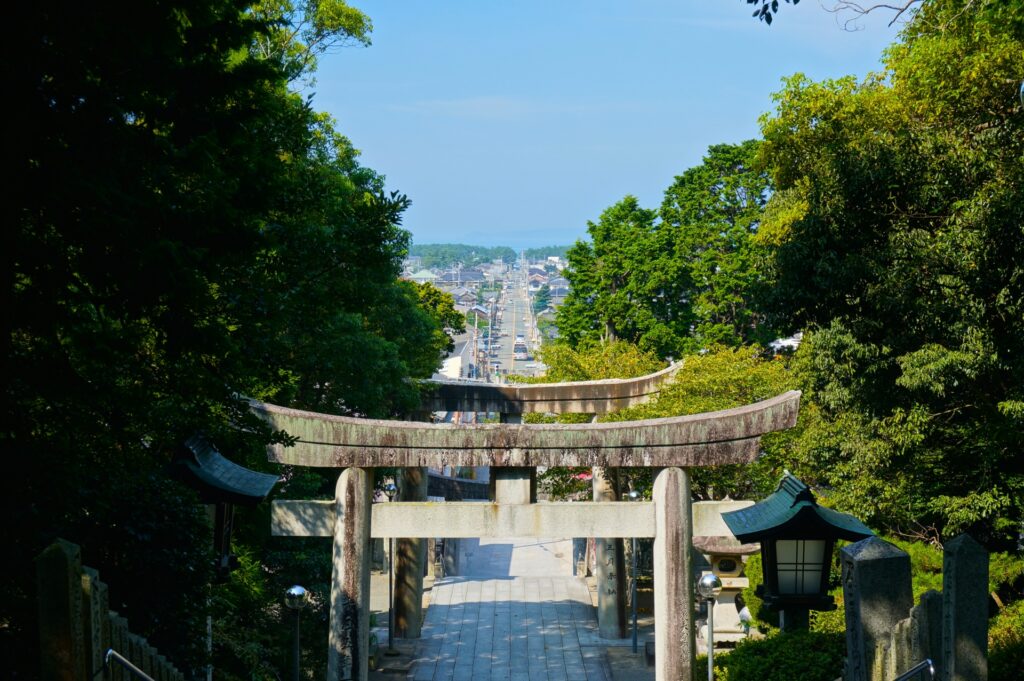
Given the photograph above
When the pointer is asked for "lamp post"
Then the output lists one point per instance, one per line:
(633, 496)
(709, 587)
(296, 598)
(391, 490)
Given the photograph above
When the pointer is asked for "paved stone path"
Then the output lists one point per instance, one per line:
(516, 615)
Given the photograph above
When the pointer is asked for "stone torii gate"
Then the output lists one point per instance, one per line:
(513, 451)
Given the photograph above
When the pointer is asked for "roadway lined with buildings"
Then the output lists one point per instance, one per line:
(501, 334)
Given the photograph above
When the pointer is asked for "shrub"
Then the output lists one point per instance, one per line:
(1006, 643)
(783, 656)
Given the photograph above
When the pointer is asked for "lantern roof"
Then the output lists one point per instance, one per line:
(791, 511)
(219, 479)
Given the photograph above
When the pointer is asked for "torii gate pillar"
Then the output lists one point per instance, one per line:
(673, 576)
(348, 647)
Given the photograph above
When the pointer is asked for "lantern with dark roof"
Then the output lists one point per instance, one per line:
(223, 484)
(797, 537)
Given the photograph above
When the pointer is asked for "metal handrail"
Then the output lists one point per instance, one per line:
(113, 655)
(924, 665)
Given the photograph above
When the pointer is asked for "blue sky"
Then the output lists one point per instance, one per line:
(514, 123)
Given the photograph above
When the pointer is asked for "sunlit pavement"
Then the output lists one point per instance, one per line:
(516, 614)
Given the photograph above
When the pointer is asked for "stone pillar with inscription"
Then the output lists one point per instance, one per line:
(611, 564)
(410, 561)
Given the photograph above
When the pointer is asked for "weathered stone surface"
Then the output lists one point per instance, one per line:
(472, 519)
(95, 615)
(580, 397)
(410, 561)
(348, 649)
(714, 438)
(926, 619)
(673, 577)
(303, 518)
(877, 594)
(514, 485)
(59, 598)
(610, 570)
(708, 518)
(964, 611)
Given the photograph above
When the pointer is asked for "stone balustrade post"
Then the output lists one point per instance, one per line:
(964, 611)
(410, 561)
(877, 594)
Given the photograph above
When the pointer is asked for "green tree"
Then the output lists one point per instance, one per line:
(541, 299)
(625, 284)
(185, 233)
(545, 251)
(442, 307)
(723, 378)
(299, 33)
(896, 241)
(449, 255)
(714, 209)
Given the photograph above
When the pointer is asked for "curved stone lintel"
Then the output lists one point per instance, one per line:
(712, 438)
(577, 397)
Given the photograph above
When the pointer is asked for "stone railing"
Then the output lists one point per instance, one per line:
(77, 628)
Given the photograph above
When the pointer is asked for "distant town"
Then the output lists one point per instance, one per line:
(509, 301)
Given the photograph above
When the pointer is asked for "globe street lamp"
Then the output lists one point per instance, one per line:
(391, 490)
(296, 598)
(633, 496)
(709, 587)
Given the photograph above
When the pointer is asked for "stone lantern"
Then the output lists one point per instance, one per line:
(797, 537)
(726, 556)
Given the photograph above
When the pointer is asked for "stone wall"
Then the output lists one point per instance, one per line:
(77, 628)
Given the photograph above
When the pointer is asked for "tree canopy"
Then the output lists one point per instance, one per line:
(449, 255)
(896, 236)
(185, 233)
(678, 279)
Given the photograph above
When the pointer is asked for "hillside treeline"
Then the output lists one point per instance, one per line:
(186, 232)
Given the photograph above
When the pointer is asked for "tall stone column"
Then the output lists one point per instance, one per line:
(349, 640)
(410, 561)
(611, 564)
(673, 577)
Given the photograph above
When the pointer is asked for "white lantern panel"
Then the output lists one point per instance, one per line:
(800, 562)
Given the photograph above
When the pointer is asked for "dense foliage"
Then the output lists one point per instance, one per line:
(678, 279)
(184, 232)
(782, 656)
(893, 239)
(896, 237)
(441, 256)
